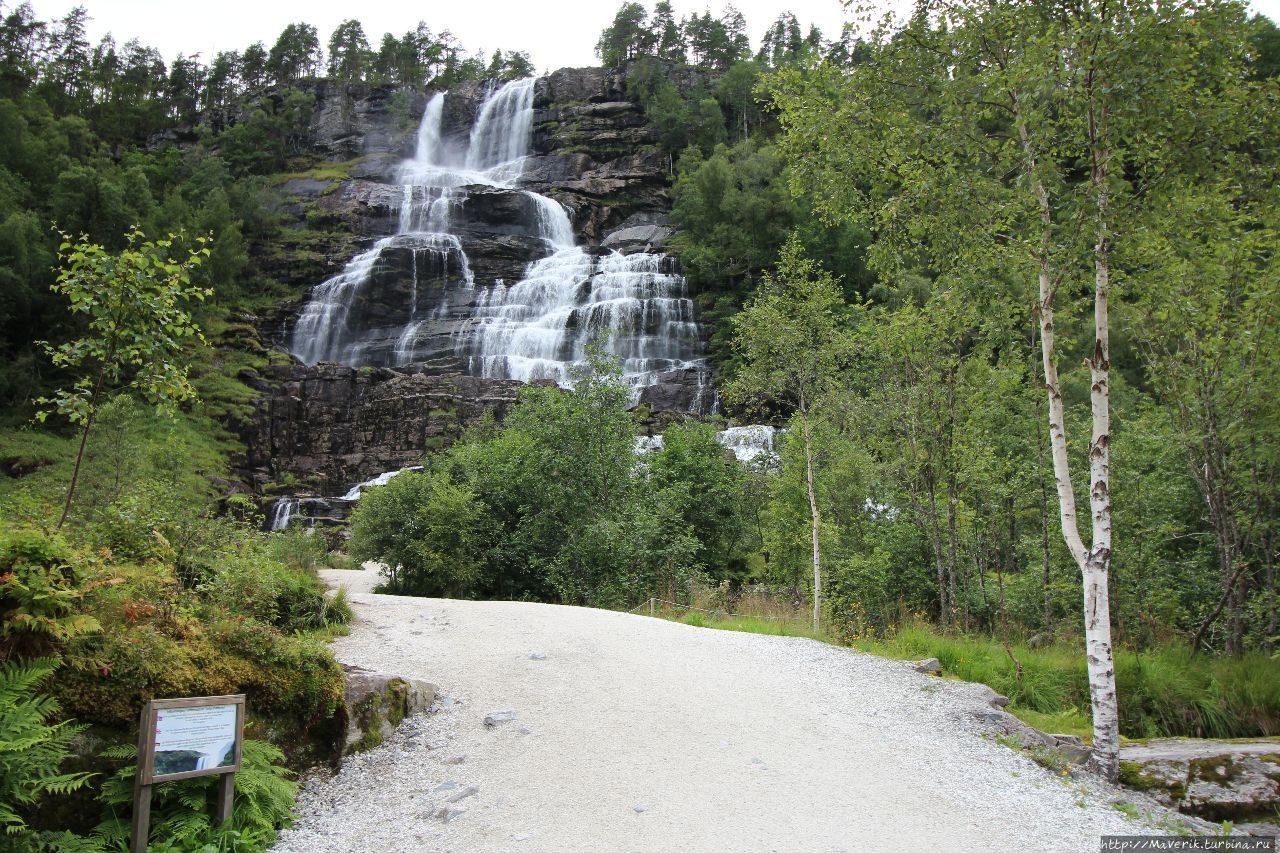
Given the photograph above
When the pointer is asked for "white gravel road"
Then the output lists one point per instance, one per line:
(638, 734)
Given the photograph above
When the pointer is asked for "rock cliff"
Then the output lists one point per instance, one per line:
(319, 429)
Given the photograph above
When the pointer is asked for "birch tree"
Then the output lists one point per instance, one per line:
(994, 141)
(790, 339)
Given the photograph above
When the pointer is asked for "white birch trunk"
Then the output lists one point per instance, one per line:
(1095, 561)
(813, 515)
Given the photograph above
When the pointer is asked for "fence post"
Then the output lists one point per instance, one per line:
(650, 605)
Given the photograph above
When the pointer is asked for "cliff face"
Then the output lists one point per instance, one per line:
(332, 426)
(323, 428)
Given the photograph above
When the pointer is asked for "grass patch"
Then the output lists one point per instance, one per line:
(340, 171)
(746, 624)
(1163, 692)
(1072, 721)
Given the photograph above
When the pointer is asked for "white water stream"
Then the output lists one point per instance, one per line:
(536, 328)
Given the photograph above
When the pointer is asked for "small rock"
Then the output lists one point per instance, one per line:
(537, 656)
(929, 665)
(525, 730)
(639, 808)
(992, 698)
(448, 813)
(495, 718)
(522, 836)
(469, 791)
(455, 759)
(446, 786)
(1260, 830)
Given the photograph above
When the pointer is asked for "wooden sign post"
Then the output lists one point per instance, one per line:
(182, 739)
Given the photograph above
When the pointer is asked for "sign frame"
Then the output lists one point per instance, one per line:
(147, 736)
(146, 775)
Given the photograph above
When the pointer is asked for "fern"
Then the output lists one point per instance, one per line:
(40, 590)
(182, 812)
(31, 751)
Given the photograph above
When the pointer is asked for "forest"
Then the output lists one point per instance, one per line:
(1004, 275)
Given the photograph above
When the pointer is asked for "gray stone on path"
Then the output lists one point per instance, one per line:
(537, 655)
(639, 808)
(448, 813)
(469, 791)
(495, 718)
(929, 665)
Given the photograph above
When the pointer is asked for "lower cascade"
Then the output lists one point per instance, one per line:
(412, 296)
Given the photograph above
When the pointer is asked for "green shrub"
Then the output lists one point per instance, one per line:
(31, 750)
(39, 592)
(337, 609)
(425, 529)
(253, 583)
(182, 812)
(299, 549)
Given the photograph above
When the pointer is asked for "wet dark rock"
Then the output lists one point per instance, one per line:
(678, 391)
(330, 426)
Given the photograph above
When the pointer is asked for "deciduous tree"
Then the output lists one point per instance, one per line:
(136, 323)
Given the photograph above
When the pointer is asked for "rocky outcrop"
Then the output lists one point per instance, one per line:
(1218, 780)
(319, 430)
(594, 151)
(375, 703)
(354, 119)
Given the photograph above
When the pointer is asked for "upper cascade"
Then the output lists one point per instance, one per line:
(412, 296)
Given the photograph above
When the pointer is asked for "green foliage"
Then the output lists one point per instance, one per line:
(555, 505)
(136, 322)
(626, 38)
(31, 749)
(426, 530)
(694, 475)
(1164, 692)
(790, 336)
(40, 590)
(182, 812)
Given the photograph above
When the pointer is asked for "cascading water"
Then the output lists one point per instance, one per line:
(536, 328)
(283, 513)
(746, 442)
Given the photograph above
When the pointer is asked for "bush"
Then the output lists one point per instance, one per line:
(31, 750)
(39, 591)
(182, 812)
(276, 585)
(292, 678)
(425, 529)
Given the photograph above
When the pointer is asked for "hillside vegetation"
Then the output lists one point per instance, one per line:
(882, 234)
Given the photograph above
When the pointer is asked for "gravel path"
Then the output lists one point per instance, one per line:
(638, 734)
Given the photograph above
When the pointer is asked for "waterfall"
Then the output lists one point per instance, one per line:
(536, 328)
(749, 442)
(353, 494)
(500, 137)
(539, 327)
(283, 512)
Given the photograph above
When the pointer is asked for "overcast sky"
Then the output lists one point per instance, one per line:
(555, 34)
